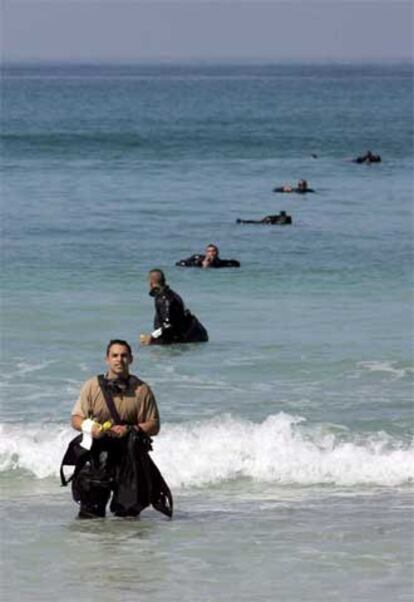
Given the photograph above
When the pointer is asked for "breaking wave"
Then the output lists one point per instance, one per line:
(281, 450)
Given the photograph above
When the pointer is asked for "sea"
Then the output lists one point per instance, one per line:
(287, 439)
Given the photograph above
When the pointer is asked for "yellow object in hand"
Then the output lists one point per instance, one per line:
(103, 427)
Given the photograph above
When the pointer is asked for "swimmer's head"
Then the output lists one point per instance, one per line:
(302, 184)
(212, 251)
(156, 280)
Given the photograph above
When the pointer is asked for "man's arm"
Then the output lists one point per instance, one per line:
(81, 412)
(151, 427)
(228, 263)
(77, 422)
(160, 334)
(167, 317)
(148, 415)
(195, 261)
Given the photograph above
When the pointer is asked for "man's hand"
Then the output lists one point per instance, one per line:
(97, 431)
(206, 262)
(118, 430)
(145, 339)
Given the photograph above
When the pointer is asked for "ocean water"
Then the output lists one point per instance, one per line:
(287, 440)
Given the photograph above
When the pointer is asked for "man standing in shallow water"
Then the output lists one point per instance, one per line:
(134, 413)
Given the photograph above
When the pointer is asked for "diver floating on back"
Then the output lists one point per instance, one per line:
(281, 219)
(211, 259)
(301, 188)
(368, 158)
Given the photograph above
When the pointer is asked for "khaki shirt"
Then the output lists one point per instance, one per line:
(135, 406)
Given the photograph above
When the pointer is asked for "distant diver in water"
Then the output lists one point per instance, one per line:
(116, 414)
(368, 158)
(282, 219)
(173, 323)
(211, 259)
(301, 188)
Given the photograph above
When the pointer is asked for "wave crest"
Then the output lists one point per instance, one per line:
(282, 449)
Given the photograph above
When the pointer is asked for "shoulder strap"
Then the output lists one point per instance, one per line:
(109, 400)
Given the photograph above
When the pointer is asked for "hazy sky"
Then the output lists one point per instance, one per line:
(232, 29)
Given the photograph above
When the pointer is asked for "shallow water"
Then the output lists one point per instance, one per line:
(222, 545)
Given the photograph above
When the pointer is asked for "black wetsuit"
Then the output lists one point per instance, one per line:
(368, 158)
(296, 190)
(196, 261)
(281, 220)
(173, 323)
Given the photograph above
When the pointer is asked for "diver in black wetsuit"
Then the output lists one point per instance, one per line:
(173, 323)
(211, 259)
(368, 158)
(282, 219)
(301, 188)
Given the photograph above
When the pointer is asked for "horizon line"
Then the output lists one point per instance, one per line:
(202, 60)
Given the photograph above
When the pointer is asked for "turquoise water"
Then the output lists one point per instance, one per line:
(287, 439)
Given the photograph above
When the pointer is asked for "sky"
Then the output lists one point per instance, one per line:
(169, 30)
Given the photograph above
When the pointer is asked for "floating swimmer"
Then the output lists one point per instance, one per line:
(368, 158)
(211, 259)
(281, 220)
(301, 188)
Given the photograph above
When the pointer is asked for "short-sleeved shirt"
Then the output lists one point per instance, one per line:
(136, 405)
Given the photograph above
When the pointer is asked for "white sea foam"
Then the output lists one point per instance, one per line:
(33, 448)
(386, 367)
(24, 367)
(282, 450)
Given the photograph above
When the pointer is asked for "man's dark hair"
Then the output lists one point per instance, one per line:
(213, 247)
(160, 274)
(118, 342)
